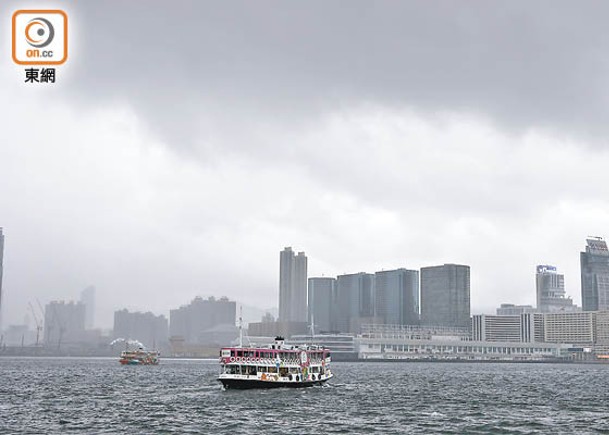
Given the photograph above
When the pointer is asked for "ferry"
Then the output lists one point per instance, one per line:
(273, 366)
(139, 357)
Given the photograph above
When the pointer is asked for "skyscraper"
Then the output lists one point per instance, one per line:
(200, 315)
(151, 330)
(292, 286)
(595, 275)
(321, 296)
(354, 301)
(1, 269)
(551, 291)
(397, 296)
(445, 296)
(87, 297)
(64, 322)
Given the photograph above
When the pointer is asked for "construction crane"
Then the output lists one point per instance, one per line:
(38, 323)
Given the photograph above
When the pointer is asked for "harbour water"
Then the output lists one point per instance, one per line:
(80, 395)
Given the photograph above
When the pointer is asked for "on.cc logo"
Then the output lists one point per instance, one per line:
(39, 32)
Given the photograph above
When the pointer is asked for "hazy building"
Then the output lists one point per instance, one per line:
(87, 297)
(397, 296)
(190, 321)
(550, 287)
(354, 301)
(292, 286)
(496, 328)
(514, 310)
(445, 295)
(1, 272)
(595, 275)
(64, 322)
(321, 297)
(151, 330)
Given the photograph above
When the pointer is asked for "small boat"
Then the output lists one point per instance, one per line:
(139, 357)
(273, 366)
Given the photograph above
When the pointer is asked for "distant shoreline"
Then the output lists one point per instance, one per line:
(367, 360)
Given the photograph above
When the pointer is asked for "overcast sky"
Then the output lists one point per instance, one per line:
(186, 143)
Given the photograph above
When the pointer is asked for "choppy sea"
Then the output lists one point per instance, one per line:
(95, 396)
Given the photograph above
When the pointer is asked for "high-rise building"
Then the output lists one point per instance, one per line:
(595, 275)
(1, 270)
(151, 330)
(397, 296)
(292, 286)
(87, 297)
(354, 301)
(551, 291)
(64, 322)
(321, 297)
(445, 296)
(190, 321)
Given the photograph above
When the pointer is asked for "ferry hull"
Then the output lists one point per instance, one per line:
(246, 384)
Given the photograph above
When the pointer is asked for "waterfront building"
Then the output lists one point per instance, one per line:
(354, 301)
(602, 328)
(1, 272)
(292, 286)
(87, 297)
(64, 322)
(189, 321)
(445, 295)
(574, 328)
(532, 328)
(595, 275)
(550, 287)
(321, 297)
(496, 328)
(397, 296)
(380, 342)
(342, 346)
(514, 310)
(151, 330)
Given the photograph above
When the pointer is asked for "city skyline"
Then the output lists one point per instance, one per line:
(89, 292)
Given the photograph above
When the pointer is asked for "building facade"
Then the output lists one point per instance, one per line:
(189, 322)
(496, 328)
(573, 328)
(64, 322)
(445, 295)
(292, 286)
(354, 301)
(397, 296)
(514, 310)
(595, 275)
(87, 297)
(151, 330)
(321, 303)
(550, 287)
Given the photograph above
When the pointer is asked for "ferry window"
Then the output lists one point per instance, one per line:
(239, 353)
(232, 352)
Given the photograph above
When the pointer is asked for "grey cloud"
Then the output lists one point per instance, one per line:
(523, 64)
